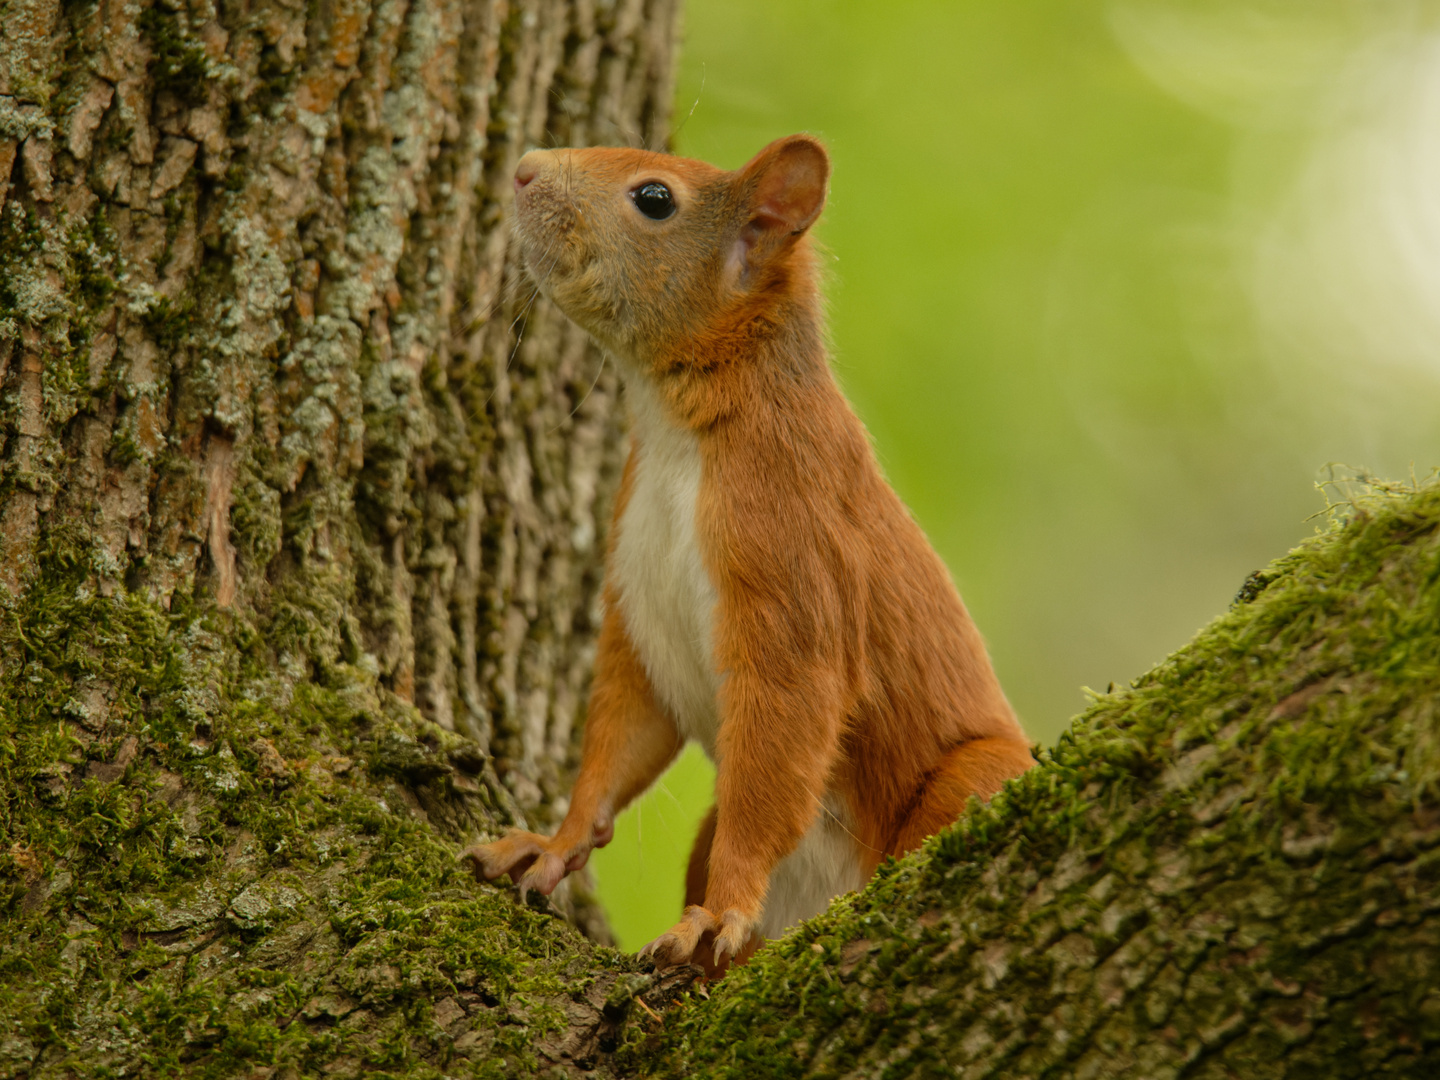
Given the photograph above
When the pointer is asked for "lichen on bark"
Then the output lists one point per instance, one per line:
(301, 498)
(258, 325)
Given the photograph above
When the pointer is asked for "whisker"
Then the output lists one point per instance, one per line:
(526, 310)
(698, 94)
(472, 319)
(520, 315)
(580, 404)
(545, 264)
(519, 337)
(852, 836)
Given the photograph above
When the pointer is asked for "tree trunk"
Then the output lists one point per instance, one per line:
(299, 556)
(258, 340)
(300, 512)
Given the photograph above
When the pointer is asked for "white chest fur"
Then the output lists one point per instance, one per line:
(666, 595)
(668, 602)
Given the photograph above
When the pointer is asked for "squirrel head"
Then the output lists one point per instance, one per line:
(652, 253)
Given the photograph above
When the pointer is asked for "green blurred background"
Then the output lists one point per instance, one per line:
(1110, 284)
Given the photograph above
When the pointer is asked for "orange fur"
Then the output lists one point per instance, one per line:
(847, 667)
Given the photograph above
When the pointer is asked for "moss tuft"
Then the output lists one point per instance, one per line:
(180, 66)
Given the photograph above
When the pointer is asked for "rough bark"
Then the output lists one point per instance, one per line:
(298, 545)
(255, 347)
(300, 503)
(1230, 868)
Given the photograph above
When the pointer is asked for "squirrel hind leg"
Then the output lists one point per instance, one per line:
(697, 878)
(697, 871)
(978, 767)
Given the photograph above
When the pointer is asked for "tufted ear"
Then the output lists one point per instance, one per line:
(783, 192)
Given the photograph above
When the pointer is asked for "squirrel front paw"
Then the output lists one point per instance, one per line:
(532, 861)
(677, 945)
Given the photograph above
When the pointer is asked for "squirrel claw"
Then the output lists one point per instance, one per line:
(659, 948)
(677, 945)
(527, 858)
(507, 855)
(544, 874)
(731, 937)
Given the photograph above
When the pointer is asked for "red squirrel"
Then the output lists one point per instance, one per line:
(766, 592)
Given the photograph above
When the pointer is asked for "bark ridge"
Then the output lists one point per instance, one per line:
(301, 499)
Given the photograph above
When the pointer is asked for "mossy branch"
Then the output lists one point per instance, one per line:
(1229, 868)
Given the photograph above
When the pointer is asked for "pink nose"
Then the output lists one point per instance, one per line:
(524, 173)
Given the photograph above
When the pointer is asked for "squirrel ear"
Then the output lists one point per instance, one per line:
(786, 183)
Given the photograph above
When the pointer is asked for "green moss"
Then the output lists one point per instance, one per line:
(94, 258)
(1196, 845)
(180, 65)
(56, 277)
(191, 802)
(169, 897)
(169, 321)
(255, 520)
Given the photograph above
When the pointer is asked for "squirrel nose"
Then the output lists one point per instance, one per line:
(525, 172)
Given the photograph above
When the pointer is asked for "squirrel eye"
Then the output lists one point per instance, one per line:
(654, 201)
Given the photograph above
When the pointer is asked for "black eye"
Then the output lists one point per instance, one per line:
(654, 201)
